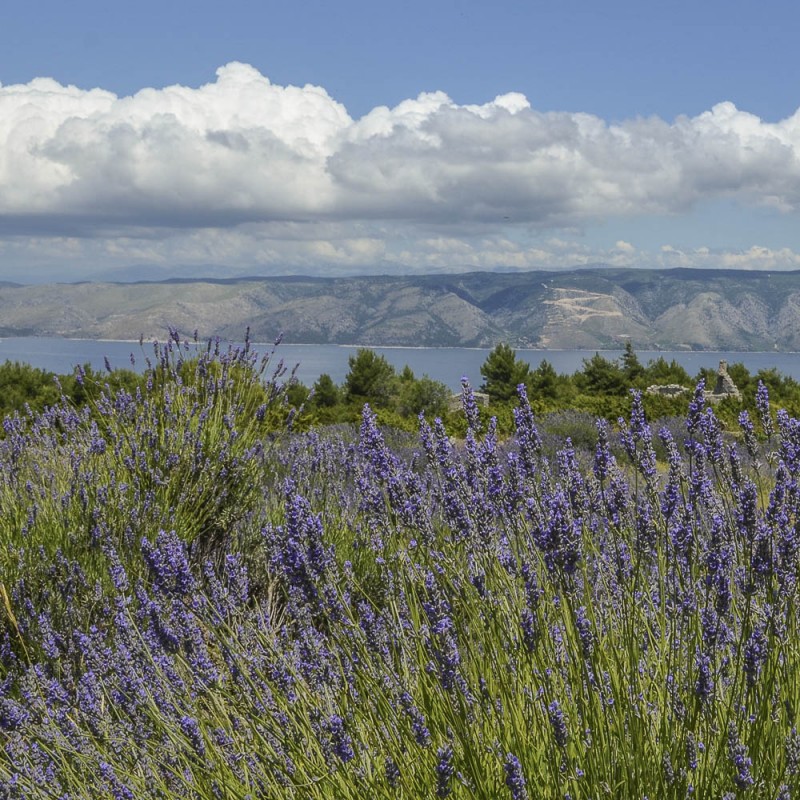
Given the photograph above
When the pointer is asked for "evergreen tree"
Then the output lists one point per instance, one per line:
(297, 393)
(370, 378)
(22, 384)
(502, 373)
(326, 393)
(543, 381)
(631, 365)
(601, 377)
(660, 371)
(423, 395)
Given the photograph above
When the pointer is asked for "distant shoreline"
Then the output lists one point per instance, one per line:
(202, 341)
(61, 355)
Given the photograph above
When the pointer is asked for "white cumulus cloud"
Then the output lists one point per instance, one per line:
(227, 169)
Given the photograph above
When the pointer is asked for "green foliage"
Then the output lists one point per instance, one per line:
(657, 406)
(22, 385)
(579, 427)
(297, 394)
(740, 375)
(370, 378)
(184, 453)
(326, 393)
(502, 373)
(607, 406)
(600, 388)
(86, 384)
(601, 376)
(543, 382)
(659, 371)
(422, 395)
(784, 391)
(434, 612)
(631, 366)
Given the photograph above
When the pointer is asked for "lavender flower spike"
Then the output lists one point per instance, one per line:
(558, 723)
(340, 739)
(515, 780)
(444, 771)
(762, 404)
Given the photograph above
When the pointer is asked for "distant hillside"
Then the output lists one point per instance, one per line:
(592, 308)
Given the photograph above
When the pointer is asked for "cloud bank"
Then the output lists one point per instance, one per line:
(243, 169)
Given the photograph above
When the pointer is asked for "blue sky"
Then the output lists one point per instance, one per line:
(364, 137)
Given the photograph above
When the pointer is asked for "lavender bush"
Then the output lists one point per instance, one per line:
(337, 618)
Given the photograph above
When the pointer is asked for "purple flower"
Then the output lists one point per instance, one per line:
(470, 407)
(391, 771)
(669, 770)
(375, 630)
(737, 754)
(515, 780)
(638, 433)
(755, 655)
(13, 715)
(691, 751)
(192, 732)
(527, 436)
(696, 407)
(704, 683)
(371, 444)
(530, 629)
(646, 532)
(559, 535)
(444, 771)
(747, 511)
(421, 733)
(792, 747)
(748, 433)
(558, 723)
(603, 458)
(298, 548)
(169, 564)
(442, 640)
(340, 739)
(762, 404)
(118, 790)
(585, 632)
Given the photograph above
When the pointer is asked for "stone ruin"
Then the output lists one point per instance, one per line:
(667, 390)
(454, 403)
(724, 387)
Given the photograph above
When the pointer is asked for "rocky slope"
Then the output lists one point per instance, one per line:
(593, 308)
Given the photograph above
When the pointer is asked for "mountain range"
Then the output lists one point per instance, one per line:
(583, 308)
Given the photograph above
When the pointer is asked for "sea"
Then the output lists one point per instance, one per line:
(446, 364)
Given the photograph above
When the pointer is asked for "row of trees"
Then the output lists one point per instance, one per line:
(601, 387)
(25, 387)
(503, 371)
(372, 379)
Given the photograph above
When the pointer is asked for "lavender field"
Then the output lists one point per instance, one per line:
(198, 602)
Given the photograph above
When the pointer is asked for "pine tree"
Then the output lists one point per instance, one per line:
(502, 373)
(631, 365)
(326, 393)
(370, 378)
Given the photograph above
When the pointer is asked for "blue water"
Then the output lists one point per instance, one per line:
(447, 364)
